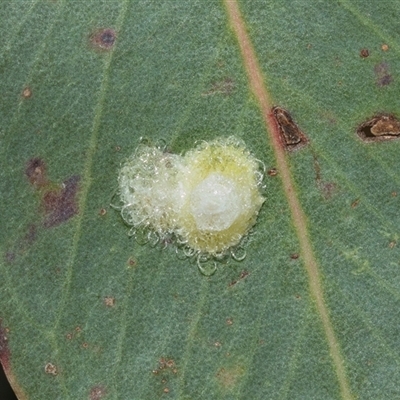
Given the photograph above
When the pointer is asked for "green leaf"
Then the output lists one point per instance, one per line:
(87, 312)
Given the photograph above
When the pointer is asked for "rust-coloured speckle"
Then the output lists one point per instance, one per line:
(102, 212)
(385, 47)
(272, 172)
(132, 262)
(392, 244)
(244, 274)
(4, 349)
(109, 301)
(229, 321)
(394, 194)
(61, 205)
(36, 172)
(355, 203)
(166, 390)
(103, 39)
(27, 93)
(85, 345)
(50, 369)
(364, 53)
(294, 256)
(97, 392)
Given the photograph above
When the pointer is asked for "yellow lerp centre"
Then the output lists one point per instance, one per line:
(209, 198)
(222, 181)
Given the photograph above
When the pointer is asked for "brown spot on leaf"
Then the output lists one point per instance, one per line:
(364, 53)
(294, 256)
(109, 301)
(50, 369)
(102, 212)
(103, 39)
(229, 321)
(355, 203)
(36, 172)
(379, 128)
(224, 87)
(291, 137)
(392, 244)
(272, 172)
(229, 377)
(166, 390)
(244, 274)
(61, 205)
(385, 47)
(132, 262)
(27, 92)
(97, 392)
(383, 77)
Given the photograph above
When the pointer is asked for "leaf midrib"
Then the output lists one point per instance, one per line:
(257, 85)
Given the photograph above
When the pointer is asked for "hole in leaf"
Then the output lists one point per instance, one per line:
(379, 128)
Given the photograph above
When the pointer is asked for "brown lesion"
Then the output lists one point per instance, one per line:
(229, 377)
(61, 205)
(35, 170)
(103, 39)
(291, 136)
(382, 73)
(244, 274)
(381, 127)
(97, 392)
(224, 87)
(27, 92)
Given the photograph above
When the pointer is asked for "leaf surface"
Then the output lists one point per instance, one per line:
(87, 312)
